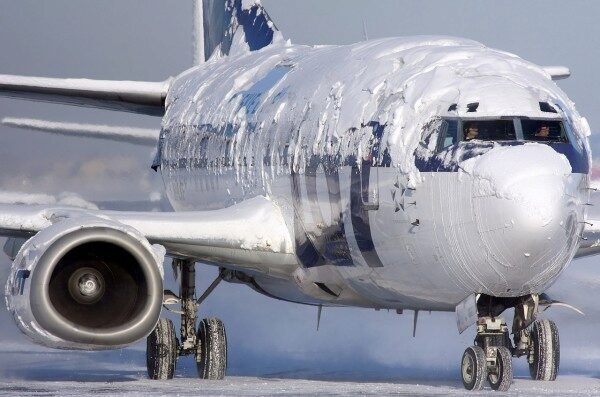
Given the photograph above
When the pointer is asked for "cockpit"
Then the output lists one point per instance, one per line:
(447, 141)
(453, 131)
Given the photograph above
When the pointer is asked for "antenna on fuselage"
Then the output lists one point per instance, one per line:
(415, 318)
(364, 26)
(320, 310)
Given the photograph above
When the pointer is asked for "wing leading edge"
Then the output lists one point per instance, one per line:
(251, 234)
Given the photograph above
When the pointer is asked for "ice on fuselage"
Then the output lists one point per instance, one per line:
(328, 95)
(533, 175)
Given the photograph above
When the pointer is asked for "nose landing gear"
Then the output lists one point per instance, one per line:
(208, 343)
(491, 355)
(490, 358)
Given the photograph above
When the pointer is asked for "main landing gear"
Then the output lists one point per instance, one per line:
(208, 343)
(491, 356)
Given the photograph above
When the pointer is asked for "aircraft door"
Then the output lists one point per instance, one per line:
(373, 159)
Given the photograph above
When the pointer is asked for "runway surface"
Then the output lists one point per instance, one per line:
(41, 372)
(245, 386)
(276, 351)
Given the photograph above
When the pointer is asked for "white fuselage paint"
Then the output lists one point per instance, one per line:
(304, 126)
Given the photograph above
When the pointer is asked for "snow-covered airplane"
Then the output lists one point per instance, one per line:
(423, 173)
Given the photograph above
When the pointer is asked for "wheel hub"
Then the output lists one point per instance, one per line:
(467, 368)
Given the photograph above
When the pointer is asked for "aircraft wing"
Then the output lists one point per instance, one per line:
(131, 96)
(558, 72)
(253, 232)
(126, 134)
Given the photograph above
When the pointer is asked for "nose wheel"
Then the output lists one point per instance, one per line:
(490, 358)
(208, 343)
(500, 375)
(473, 368)
(544, 351)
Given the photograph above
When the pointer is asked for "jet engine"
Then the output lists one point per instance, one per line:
(86, 283)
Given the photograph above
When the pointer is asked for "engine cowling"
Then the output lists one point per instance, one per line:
(86, 283)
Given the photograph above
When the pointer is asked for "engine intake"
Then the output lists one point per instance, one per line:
(91, 286)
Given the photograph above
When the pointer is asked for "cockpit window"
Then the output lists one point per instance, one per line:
(441, 134)
(448, 134)
(544, 130)
(489, 130)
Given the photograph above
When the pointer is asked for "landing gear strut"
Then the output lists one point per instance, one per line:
(208, 343)
(491, 355)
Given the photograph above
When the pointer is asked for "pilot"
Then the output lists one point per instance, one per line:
(543, 132)
(471, 131)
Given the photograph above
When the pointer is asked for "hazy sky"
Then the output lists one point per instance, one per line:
(151, 40)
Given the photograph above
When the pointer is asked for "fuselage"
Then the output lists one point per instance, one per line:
(366, 150)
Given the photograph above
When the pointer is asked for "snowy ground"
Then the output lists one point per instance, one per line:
(34, 371)
(246, 386)
(276, 350)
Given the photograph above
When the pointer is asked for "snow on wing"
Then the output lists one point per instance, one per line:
(255, 225)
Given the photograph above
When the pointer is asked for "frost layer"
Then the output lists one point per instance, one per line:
(287, 103)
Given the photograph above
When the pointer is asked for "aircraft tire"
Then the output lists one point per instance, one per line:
(544, 359)
(211, 354)
(473, 368)
(502, 377)
(161, 351)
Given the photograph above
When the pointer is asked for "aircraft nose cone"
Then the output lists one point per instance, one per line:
(526, 220)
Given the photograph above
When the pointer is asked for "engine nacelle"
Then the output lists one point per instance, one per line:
(86, 283)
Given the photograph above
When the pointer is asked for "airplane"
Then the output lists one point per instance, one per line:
(424, 173)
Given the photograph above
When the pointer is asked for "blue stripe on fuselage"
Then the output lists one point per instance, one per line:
(331, 246)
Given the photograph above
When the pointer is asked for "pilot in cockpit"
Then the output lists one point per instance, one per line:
(543, 132)
(471, 131)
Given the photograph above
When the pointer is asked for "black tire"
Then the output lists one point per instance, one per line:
(502, 377)
(473, 368)
(211, 355)
(544, 357)
(161, 350)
